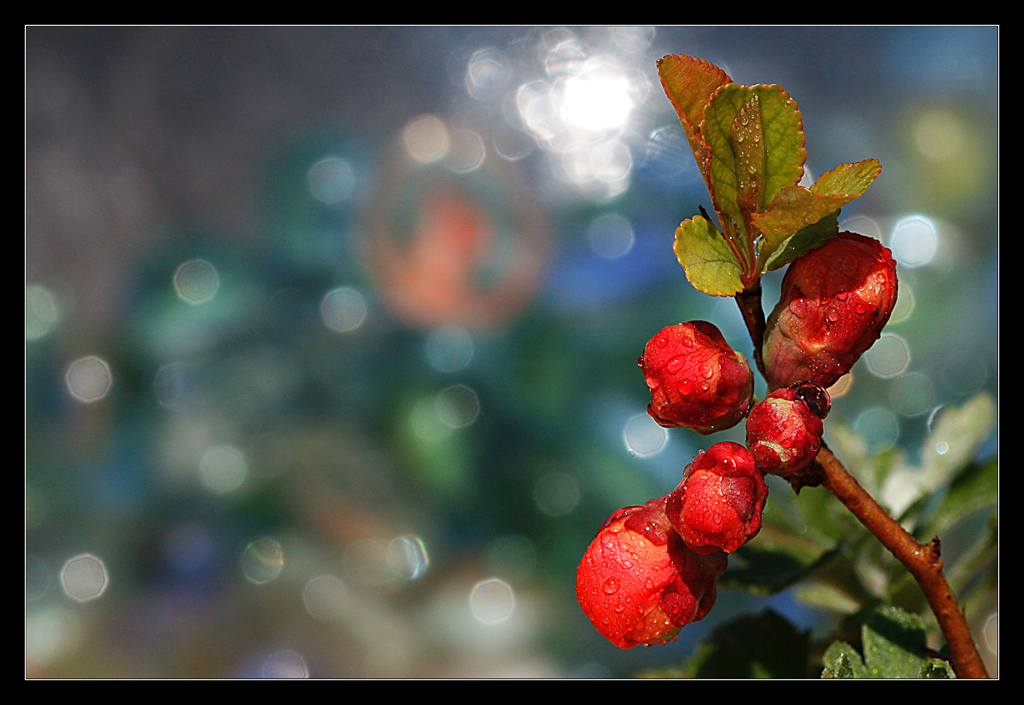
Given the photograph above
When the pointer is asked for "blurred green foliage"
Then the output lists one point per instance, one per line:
(149, 147)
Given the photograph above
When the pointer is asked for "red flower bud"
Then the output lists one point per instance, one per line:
(835, 301)
(718, 504)
(783, 432)
(639, 583)
(696, 380)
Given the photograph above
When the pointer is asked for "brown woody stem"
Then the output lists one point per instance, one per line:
(921, 560)
(753, 315)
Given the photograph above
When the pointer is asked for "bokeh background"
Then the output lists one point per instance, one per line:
(331, 333)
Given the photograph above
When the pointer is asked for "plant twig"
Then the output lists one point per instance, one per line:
(921, 560)
(749, 302)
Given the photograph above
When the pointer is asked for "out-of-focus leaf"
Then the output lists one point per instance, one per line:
(767, 572)
(710, 264)
(843, 661)
(756, 646)
(973, 491)
(957, 433)
(955, 438)
(829, 597)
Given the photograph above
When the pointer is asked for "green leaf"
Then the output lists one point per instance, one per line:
(973, 491)
(894, 644)
(848, 180)
(747, 136)
(800, 243)
(794, 209)
(797, 208)
(955, 437)
(750, 147)
(894, 647)
(766, 571)
(756, 127)
(828, 597)
(937, 668)
(710, 264)
(957, 432)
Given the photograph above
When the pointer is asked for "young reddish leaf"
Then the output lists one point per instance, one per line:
(848, 179)
(689, 83)
(795, 208)
(710, 264)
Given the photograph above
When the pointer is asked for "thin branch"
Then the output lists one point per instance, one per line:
(753, 315)
(921, 560)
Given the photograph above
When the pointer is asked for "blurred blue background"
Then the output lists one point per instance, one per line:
(331, 333)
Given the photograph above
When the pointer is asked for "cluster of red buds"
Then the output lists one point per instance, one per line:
(653, 569)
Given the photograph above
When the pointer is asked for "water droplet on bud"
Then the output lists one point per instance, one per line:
(675, 364)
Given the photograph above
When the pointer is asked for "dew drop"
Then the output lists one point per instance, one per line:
(611, 586)
(675, 364)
